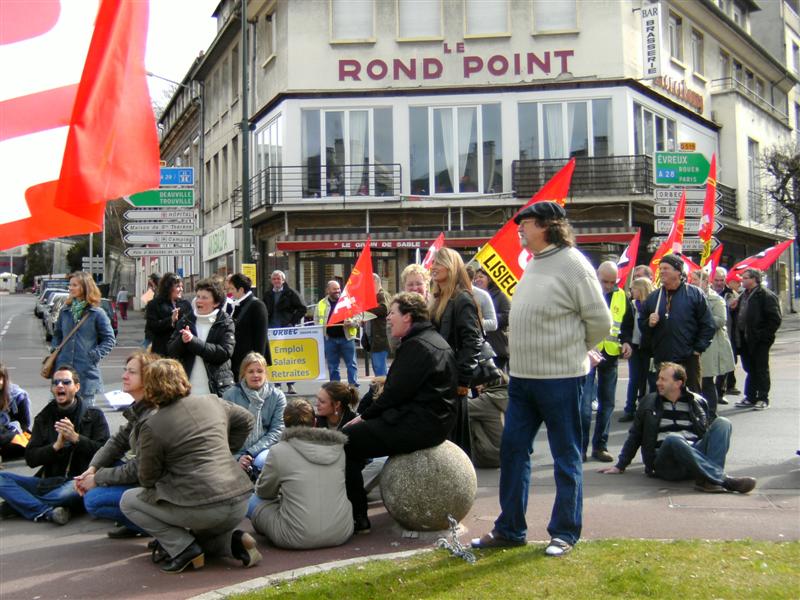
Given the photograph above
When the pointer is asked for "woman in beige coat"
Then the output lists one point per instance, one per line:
(300, 500)
(718, 357)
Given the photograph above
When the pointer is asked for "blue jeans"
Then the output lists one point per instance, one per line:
(677, 459)
(21, 494)
(556, 403)
(103, 503)
(605, 375)
(379, 362)
(341, 349)
(638, 365)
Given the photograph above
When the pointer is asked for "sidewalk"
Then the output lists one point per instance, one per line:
(78, 561)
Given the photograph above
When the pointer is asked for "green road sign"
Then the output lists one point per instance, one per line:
(169, 197)
(681, 168)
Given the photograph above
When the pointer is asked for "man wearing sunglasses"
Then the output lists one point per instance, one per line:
(66, 434)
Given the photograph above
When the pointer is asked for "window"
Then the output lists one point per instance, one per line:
(749, 80)
(759, 87)
(456, 150)
(555, 16)
(724, 65)
(268, 153)
(235, 168)
(235, 73)
(225, 85)
(486, 18)
(357, 158)
(697, 52)
(797, 122)
(352, 20)
(419, 19)
(567, 129)
(223, 175)
(738, 71)
(652, 132)
(738, 16)
(675, 28)
(796, 57)
(754, 199)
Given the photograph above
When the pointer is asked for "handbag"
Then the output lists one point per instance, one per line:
(49, 362)
(486, 370)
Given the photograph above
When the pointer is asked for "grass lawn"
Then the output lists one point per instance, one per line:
(594, 569)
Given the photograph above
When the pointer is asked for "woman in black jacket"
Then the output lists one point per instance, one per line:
(455, 315)
(204, 340)
(502, 308)
(335, 403)
(163, 312)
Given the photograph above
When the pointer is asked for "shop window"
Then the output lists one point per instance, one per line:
(549, 16)
(697, 52)
(463, 146)
(352, 20)
(486, 18)
(567, 129)
(652, 132)
(675, 29)
(419, 19)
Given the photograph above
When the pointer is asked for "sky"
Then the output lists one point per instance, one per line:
(179, 30)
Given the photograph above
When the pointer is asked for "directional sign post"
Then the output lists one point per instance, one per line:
(692, 210)
(160, 251)
(145, 238)
(690, 226)
(690, 244)
(160, 226)
(168, 197)
(177, 176)
(146, 214)
(681, 168)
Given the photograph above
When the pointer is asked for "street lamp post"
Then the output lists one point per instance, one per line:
(245, 127)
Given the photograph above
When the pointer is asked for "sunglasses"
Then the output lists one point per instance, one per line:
(62, 381)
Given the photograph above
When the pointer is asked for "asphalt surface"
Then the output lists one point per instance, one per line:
(43, 561)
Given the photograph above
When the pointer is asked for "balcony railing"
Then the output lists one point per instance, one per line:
(755, 206)
(340, 183)
(727, 84)
(593, 176)
(727, 201)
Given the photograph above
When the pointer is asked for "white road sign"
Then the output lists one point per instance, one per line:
(690, 226)
(144, 238)
(150, 214)
(690, 244)
(161, 227)
(160, 251)
(672, 195)
(692, 210)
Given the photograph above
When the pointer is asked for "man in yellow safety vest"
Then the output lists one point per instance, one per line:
(601, 382)
(339, 339)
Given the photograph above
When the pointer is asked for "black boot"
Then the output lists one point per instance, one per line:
(243, 548)
(193, 555)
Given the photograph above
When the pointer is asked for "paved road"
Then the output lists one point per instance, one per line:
(44, 561)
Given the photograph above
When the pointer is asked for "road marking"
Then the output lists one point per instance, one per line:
(6, 326)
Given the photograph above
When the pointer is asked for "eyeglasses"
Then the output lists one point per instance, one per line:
(62, 381)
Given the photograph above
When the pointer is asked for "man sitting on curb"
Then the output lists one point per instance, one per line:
(66, 434)
(671, 428)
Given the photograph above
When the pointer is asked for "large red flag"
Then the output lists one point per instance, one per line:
(674, 241)
(691, 266)
(761, 261)
(502, 257)
(707, 220)
(96, 122)
(427, 262)
(359, 293)
(627, 261)
(713, 262)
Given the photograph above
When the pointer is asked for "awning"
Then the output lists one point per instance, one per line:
(453, 239)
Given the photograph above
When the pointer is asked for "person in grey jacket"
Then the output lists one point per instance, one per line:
(193, 493)
(300, 500)
(266, 403)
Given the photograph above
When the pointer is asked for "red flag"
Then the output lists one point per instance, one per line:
(111, 146)
(761, 261)
(691, 266)
(502, 257)
(627, 261)
(713, 262)
(427, 262)
(707, 220)
(674, 241)
(359, 293)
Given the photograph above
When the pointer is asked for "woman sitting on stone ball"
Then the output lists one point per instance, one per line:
(300, 500)
(416, 409)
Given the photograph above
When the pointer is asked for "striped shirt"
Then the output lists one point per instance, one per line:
(676, 418)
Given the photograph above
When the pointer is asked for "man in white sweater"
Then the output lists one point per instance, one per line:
(558, 314)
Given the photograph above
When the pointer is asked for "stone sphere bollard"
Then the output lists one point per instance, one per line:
(420, 489)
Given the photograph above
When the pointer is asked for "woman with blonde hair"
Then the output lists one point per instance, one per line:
(93, 339)
(416, 278)
(455, 315)
(193, 493)
(639, 360)
(266, 403)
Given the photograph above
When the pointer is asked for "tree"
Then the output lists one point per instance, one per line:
(781, 164)
(38, 263)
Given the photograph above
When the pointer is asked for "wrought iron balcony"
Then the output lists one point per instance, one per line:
(727, 200)
(332, 183)
(593, 176)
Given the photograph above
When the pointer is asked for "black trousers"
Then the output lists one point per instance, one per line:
(755, 362)
(693, 374)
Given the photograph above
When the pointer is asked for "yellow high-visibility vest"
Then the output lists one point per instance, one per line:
(610, 345)
(323, 309)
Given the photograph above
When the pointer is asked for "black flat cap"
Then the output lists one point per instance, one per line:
(543, 210)
(673, 261)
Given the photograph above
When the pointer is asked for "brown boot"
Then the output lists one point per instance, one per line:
(743, 485)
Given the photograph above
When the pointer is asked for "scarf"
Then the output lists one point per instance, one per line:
(256, 399)
(76, 308)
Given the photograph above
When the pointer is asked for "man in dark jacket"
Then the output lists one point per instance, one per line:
(601, 382)
(417, 407)
(285, 308)
(671, 428)
(375, 340)
(676, 321)
(758, 316)
(66, 434)
(251, 319)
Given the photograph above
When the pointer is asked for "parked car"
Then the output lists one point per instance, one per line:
(111, 310)
(52, 317)
(46, 301)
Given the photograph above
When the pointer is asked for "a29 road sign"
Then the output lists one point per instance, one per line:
(177, 176)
